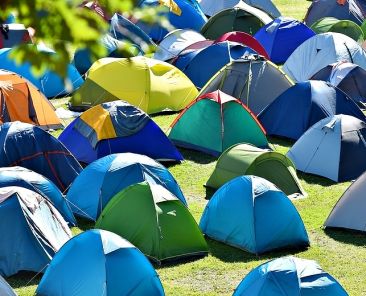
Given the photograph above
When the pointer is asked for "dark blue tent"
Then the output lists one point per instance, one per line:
(304, 104)
(25, 145)
(200, 65)
(116, 127)
(281, 37)
(98, 262)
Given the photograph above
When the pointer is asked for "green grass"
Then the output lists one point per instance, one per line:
(340, 253)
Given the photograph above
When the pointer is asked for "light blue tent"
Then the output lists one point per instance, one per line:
(22, 177)
(105, 177)
(252, 214)
(31, 231)
(5, 289)
(289, 276)
(98, 262)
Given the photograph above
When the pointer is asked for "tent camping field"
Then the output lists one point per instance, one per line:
(341, 253)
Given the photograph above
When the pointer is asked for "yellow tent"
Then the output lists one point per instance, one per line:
(149, 84)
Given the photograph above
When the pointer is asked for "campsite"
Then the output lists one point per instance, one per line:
(183, 147)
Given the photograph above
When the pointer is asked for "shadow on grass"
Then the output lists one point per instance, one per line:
(195, 156)
(351, 237)
(209, 192)
(281, 141)
(313, 179)
(85, 224)
(24, 279)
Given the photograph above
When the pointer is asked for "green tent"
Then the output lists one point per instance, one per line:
(155, 221)
(346, 27)
(363, 27)
(214, 122)
(245, 159)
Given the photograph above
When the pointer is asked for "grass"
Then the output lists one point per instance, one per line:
(340, 253)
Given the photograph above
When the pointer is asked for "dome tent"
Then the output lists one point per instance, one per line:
(105, 177)
(154, 220)
(12, 35)
(245, 159)
(237, 214)
(214, 122)
(289, 276)
(5, 288)
(116, 127)
(30, 225)
(113, 266)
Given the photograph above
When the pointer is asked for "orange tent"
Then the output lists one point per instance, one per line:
(22, 101)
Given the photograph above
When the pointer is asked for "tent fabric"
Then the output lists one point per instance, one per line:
(246, 159)
(29, 146)
(149, 84)
(49, 83)
(353, 10)
(320, 51)
(349, 212)
(346, 27)
(215, 122)
(13, 34)
(155, 221)
(303, 105)
(245, 39)
(94, 6)
(255, 81)
(244, 18)
(116, 127)
(281, 37)
(332, 148)
(347, 77)
(237, 215)
(20, 100)
(289, 276)
(5, 289)
(105, 177)
(22, 177)
(112, 266)
(31, 230)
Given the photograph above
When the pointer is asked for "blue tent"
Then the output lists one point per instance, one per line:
(201, 65)
(289, 276)
(50, 83)
(22, 177)
(105, 177)
(31, 231)
(98, 262)
(282, 36)
(252, 214)
(116, 127)
(29, 146)
(304, 104)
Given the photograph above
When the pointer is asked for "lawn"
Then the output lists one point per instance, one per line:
(342, 254)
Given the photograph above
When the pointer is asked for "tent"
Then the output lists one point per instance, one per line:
(214, 122)
(112, 266)
(31, 231)
(245, 39)
(155, 221)
(211, 58)
(49, 83)
(254, 81)
(238, 215)
(347, 77)
(281, 37)
(303, 105)
(320, 51)
(105, 177)
(13, 34)
(245, 159)
(346, 27)
(244, 18)
(21, 101)
(149, 84)
(22, 177)
(363, 28)
(349, 212)
(29, 146)
(116, 127)
(333, 148)
(353, 10)
(175, 42)
(289, 276)
(5, 289)
(95, 7)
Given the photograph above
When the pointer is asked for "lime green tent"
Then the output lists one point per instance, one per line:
(245, 159)
(155, 221)
(214, 122)
(346, 27)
